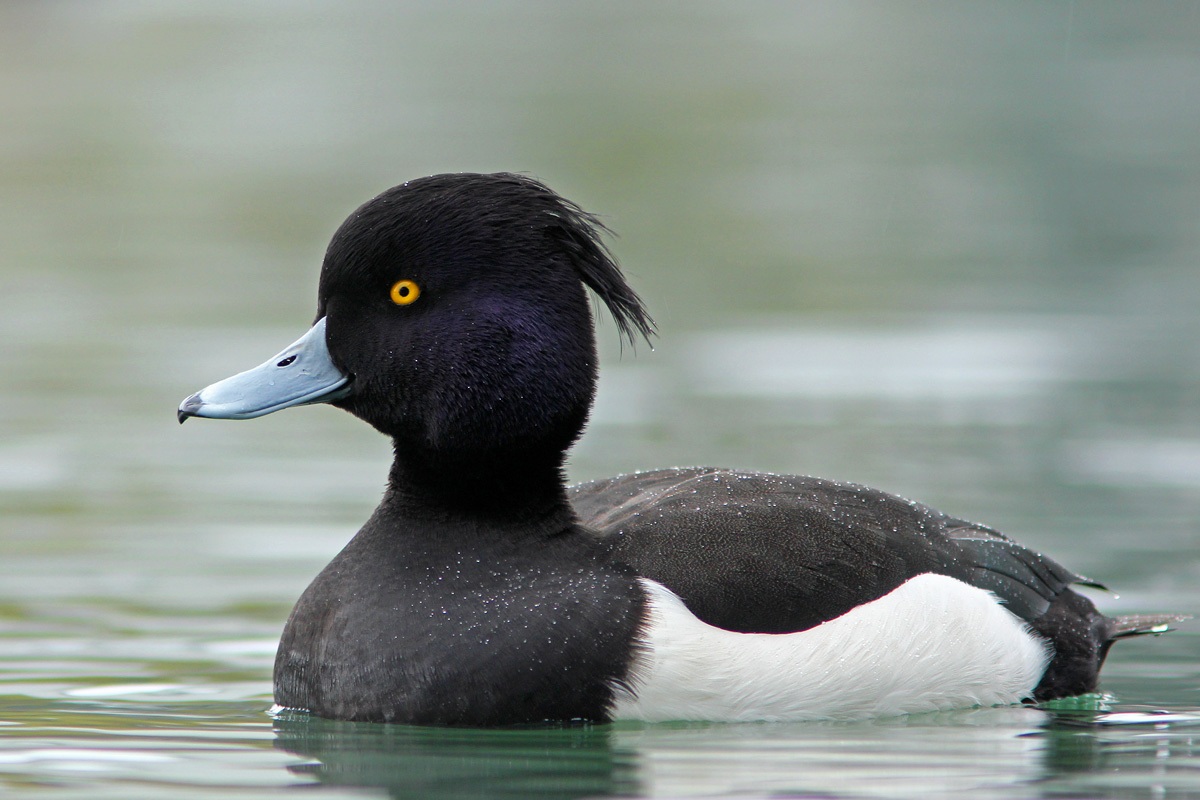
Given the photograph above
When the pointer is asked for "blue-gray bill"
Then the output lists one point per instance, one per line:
(302, 373)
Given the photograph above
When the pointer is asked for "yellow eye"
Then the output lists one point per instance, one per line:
(405, 292)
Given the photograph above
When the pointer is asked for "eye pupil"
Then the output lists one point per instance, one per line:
(405, 292)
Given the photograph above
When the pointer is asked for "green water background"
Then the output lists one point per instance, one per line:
(948, 249)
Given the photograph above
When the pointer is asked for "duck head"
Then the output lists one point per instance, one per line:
(452, 317)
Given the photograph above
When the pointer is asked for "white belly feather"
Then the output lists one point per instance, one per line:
(933, 643)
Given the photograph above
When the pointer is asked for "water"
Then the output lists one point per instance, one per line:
(949, 250)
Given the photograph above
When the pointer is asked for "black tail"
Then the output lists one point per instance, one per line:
(1142, 624)
(1080, 636)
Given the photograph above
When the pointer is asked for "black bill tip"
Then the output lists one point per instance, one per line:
(189, 408)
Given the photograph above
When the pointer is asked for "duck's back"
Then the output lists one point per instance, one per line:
(759, 553)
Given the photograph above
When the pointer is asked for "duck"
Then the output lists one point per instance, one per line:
(453, 316)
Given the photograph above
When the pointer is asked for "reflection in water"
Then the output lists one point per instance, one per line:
(1121, 754)
(994, 752)
(904, 757)
(457, 762)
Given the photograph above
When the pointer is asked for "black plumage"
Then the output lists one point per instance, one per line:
(482, 591)
(761, 553)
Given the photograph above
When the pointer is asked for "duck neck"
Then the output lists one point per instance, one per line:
(520, 492)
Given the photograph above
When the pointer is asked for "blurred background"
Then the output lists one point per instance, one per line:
(947, 249)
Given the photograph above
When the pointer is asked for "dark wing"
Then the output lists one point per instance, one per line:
(760, 553)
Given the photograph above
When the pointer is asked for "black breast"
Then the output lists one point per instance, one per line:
(490, 634)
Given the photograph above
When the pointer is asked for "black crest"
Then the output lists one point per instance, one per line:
(509, 207)
(582, 235)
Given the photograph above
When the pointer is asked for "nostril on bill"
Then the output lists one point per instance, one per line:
(286, 361)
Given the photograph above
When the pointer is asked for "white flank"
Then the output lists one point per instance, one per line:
(934, 643)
